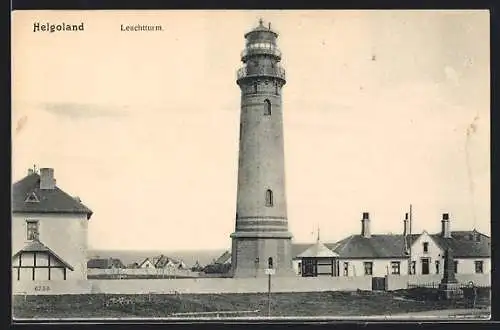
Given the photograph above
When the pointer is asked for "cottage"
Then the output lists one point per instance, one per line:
(146, 264)
(225, 258)
(164, 262)
(317, 260)
(105, 263)
(40, 209)
(471, 251)
(390, 254)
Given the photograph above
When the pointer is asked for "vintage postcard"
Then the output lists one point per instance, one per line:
(251, 165)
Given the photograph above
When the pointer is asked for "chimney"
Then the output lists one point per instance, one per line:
(406, 225)
(47, 181)
(30, 171)
(365, 225)
(445, 226)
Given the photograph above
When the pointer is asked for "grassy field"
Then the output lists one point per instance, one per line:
(283, 304)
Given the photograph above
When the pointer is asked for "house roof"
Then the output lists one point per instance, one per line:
(393, 246)
(144, 261)
(318, 250)
(49, 200)
(162, 261)
(377, 246)
(105, 263)
(463, 244)
(37, 246)
(225, 257)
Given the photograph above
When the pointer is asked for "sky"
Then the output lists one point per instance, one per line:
(382, 109)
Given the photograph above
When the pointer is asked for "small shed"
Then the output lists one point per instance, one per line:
(318, 260)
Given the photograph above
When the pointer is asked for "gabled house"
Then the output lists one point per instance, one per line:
(146, 263)
(317, 260)
(224, 258)
(105, 263)
(471, 251)
(49, 230)
(164, 262)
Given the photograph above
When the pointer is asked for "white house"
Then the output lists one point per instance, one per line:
(317, 260)
(471, 250)
(49, 230)
(388, 254)
(146, 264)
(369, 255)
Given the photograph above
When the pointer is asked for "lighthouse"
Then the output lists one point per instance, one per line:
(261, 238)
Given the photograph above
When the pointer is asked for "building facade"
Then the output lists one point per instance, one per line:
(49, 230)
(261, 237)
(379, 255)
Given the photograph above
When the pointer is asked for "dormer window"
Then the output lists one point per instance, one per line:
(32, 198)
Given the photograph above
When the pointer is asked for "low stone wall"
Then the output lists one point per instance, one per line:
(195, 285)
(397, 282)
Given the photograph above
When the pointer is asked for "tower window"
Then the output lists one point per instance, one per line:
(269, 198)
(267, 107)
(255, 87)
(32, 230)
(270, 262)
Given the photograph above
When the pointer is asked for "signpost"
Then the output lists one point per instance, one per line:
(269, 272)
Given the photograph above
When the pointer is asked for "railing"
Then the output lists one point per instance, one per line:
(435, 285)
(258, 49)
(264, 71)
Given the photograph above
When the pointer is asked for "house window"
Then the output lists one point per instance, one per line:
(426, 247)
(455, 266)
(478, 266)
(437, 266)
(368, 268)
(346, 269)
(413, 267)
(267, 107)
(32, 230)
(395, 268)
(300, 268)
(269, 198)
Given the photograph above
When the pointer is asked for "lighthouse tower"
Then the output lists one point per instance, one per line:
(261, 235)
